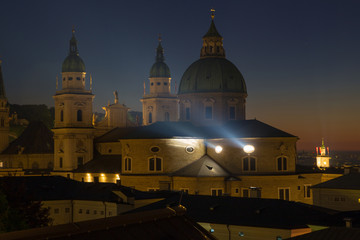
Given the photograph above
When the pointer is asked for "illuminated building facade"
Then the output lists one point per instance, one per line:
(4, 115)
(322, 156)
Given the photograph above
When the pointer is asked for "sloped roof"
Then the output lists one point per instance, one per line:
(348, 181)
(167, 223)
(256, 212)
(203, 167)
(332, 233)
(36, 138)
(44, 188)
(102, 164)
(231, 129)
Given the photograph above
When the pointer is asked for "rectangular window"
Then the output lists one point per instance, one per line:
(56, 211)
(245, 193)
(102, 213)
(80, 211)
(155, 164)
(307, 191)
(249, 164)
(95, 212)
(232, 112)
(208, 112)
(216, 191)
(282, 163)
(127, 164)
(80, 161)
(60, 162)
(187, 113)
(284, 194)
(255, 192)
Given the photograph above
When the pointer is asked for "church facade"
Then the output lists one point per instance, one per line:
(192, 141)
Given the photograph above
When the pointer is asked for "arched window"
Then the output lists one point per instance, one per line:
(150, 117)
(187, 113)
(249, 164)
(282, 163)
(208, 112)
(127, 167)
(232, 115)
(167, 116)
(79, 115)
(155, 164)
(61, 116)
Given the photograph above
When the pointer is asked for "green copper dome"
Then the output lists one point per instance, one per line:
(160, 69)
(212, 75)
(73, 63)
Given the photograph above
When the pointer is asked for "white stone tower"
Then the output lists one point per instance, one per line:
(4, 115)
(73, 128)
(159, 104)
(322, 156)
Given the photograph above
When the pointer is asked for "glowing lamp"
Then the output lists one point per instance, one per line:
(249, 149)
(218, 149)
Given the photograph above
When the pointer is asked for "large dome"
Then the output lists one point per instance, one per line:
(160, 69)
(212, 75)
(73, 63)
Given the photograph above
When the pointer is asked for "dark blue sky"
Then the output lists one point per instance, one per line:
(300, 59)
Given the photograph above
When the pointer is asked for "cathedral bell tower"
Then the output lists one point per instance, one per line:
(73, 128)
(159, 104)
(4, 115)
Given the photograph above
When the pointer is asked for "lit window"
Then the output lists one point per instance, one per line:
(217, 191)
(284, 194)
(1, 164)
(127, 167)
(307, 191)
(155, 164)
(249, 164)
(208, 112)
(282, 163)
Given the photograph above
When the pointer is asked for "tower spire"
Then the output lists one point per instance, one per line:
(73, 44)
(212, 41)
(160, 51)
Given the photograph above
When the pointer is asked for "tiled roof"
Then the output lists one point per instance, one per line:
(36, 138)
(168, 223)
(256, 212)
(203, 167)
(348, 181)
(102, 164)
(231, 129)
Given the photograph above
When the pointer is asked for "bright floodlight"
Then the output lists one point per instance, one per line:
(218, 149)
(249, 149)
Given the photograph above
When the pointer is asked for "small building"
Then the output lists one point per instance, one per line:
(167, 223)
(342, 193)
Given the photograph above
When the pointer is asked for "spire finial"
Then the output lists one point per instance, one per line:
(73, 29)
(212, 13)
(159, 38)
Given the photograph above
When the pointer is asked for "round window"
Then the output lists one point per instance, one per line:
(189, 149)
(154, 149)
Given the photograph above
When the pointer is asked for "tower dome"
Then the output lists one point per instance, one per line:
(213, 72)
(159, 68)
(73, 63)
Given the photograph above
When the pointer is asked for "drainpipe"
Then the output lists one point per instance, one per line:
(104, 208)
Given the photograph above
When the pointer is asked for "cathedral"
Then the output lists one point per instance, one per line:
(197, 140)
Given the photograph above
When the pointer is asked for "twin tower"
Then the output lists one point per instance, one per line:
(212, 91)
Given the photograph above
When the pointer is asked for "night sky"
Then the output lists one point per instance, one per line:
(300, 59)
